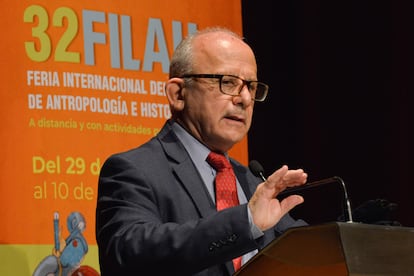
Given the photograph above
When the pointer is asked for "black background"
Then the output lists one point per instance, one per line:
(341, 99)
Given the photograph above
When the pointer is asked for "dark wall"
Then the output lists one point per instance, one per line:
(341, 98)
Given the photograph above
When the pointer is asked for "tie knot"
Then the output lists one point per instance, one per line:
(218, 161)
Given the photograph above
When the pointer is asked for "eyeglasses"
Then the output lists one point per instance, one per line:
(233, 85)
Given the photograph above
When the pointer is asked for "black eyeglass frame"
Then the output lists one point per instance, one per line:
(220, 77)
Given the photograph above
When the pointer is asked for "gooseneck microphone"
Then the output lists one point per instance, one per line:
(257, 169)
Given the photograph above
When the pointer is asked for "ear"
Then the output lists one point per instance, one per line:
(174, 90)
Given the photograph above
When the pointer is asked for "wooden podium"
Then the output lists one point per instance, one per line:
(336, 249)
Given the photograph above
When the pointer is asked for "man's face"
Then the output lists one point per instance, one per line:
(216, 119)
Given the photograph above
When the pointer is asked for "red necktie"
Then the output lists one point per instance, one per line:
(226, 189)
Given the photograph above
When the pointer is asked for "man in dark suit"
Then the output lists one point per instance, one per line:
(156, 212)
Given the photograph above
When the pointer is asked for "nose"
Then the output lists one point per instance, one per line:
(244, 98)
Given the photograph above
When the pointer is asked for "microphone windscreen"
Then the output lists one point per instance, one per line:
(256, 168)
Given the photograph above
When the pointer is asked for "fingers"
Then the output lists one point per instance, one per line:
(283, 178)
(265, 208)
(290, 202)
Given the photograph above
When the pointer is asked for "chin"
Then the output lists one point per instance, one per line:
(235, 137)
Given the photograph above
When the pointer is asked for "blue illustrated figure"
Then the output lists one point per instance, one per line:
(76, 246)
(66, 257)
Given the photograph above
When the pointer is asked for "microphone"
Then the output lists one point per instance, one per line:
(257, 169)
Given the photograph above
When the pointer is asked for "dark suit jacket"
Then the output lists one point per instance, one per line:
(154, 215)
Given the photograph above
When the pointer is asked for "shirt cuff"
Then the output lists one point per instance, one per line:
(256, 232)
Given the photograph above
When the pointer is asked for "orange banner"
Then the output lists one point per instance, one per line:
(81, 80)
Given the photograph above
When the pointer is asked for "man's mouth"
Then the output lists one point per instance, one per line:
(236, 118)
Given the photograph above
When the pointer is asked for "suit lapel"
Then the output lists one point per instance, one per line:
(185, 171)
(241, 175)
